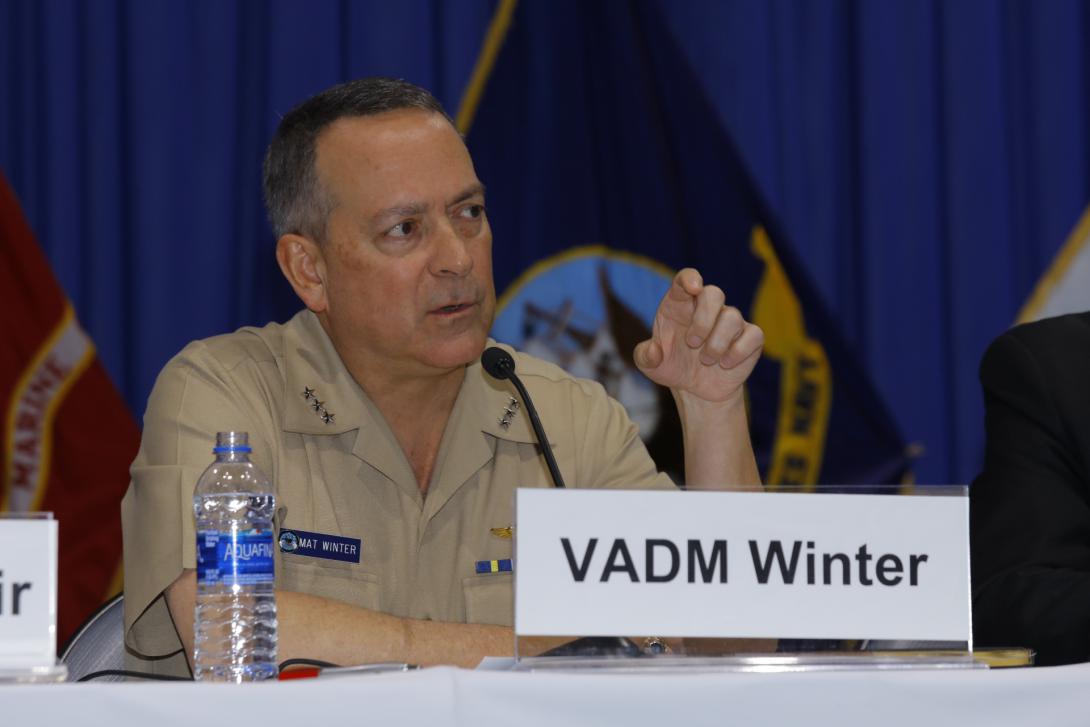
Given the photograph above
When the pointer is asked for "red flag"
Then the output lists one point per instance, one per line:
(66, 435)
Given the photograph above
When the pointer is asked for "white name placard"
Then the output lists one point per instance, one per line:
(28, 592)
(731, 564)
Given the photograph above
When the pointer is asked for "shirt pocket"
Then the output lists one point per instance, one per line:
(489, 599)
(339, 581)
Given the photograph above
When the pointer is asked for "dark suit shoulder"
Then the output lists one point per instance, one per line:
(1054, 352)
(1060, 336)
(1036, 380)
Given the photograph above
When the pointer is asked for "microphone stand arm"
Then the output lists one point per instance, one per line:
(535, 422)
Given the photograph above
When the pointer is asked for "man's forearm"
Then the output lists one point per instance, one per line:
(320, 628)
(718, 452)
(311, 627)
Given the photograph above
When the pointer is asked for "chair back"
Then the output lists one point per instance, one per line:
(99, 644)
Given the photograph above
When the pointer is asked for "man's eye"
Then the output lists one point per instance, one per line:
(472, 211)
(402, 229)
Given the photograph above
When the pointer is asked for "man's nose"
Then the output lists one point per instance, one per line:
(451, 254)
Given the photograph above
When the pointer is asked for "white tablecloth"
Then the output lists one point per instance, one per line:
(447, 696)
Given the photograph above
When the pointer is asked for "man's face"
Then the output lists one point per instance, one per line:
(408, 252)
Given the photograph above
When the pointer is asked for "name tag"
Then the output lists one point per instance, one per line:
(28, 592)
(732, 564)
(320, 545)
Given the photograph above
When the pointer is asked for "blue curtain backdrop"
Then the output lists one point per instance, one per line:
(927, 159)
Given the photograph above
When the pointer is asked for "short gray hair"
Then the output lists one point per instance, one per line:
(294, 198)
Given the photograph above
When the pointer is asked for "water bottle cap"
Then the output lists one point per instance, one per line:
(231, 442)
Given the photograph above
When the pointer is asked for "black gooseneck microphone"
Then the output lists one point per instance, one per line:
(499, 365)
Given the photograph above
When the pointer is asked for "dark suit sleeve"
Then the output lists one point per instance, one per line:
(1030, 518)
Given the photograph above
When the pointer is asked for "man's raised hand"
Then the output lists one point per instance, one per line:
(699, 345)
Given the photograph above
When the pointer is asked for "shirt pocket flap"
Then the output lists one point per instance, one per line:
(339, 581)
(489, 599)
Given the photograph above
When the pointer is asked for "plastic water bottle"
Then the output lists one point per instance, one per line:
(235, 639)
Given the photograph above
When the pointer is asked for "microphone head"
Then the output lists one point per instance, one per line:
(497, 362)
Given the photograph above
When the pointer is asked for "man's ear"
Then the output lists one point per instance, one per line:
(303, 265)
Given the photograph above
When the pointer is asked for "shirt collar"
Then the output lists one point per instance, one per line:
(491, 401)
(313, 365)
(317, 383)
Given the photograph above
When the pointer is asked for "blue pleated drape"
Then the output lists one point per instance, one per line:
(927, 158)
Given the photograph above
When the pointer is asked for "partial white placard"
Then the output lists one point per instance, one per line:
(732, 564)
(28, 592)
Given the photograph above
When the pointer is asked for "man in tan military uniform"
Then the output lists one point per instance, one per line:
(395, 457)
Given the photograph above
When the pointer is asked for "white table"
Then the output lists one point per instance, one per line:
(448, 696)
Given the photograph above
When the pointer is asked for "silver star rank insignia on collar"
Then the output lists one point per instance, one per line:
(509, 413)
(318, 406)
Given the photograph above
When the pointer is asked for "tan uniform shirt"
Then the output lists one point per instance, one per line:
(349, 478)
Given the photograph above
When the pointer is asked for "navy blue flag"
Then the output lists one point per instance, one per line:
(607, 169)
